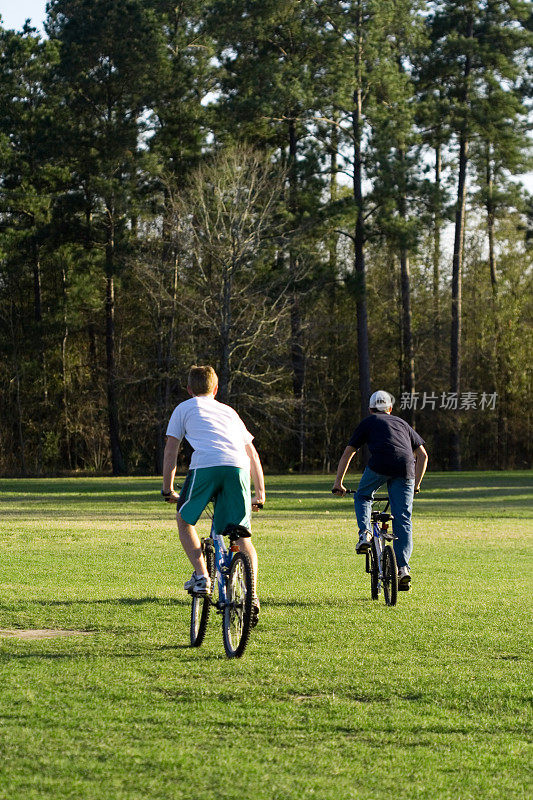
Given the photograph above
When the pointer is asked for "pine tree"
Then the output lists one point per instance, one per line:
(471, 41)
(29, 181)
(108, 50)
(266, 51)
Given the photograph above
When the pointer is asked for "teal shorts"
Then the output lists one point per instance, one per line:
(230, 488)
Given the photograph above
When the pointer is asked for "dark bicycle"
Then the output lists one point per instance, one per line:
(380, 558)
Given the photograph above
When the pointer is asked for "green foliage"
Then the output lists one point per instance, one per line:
(116, 237)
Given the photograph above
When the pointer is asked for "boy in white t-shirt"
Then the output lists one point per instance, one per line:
(220, 466)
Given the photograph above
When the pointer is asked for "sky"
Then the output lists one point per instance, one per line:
(15, 12)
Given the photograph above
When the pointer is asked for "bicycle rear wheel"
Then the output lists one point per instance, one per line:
(202, 605)
(237, 617)
(390, 576)
(374, 570)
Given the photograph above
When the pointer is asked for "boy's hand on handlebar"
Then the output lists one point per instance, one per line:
(339, 488)
(257, 503)
(170, 497)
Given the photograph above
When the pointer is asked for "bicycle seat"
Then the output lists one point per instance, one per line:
(236, 532)
(381, 516)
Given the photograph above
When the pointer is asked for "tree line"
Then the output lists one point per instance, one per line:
(318, 197)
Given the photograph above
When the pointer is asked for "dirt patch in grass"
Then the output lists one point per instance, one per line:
(31, 635)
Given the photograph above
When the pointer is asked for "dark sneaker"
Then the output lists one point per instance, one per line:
(404, 579)
(256, 610)
(198, 584)
(365, 540)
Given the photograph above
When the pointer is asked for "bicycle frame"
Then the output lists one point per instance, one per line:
(223, 558)
(381, 562)
(380, 523)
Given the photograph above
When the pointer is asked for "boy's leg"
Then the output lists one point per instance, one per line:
(190, 542)
(401, 492)
(368, 485)
(234, 507)
(246, 546)
(199, 487)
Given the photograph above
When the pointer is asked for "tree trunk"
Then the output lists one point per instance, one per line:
(359, 238)
(298, 360)
(490, 222)
(38, 316)
(16, 366)
(225, 334)
(64, 339)
(457, 266)
(165, 359)
(333, 195)
(408, 380)
(437, 224)
(117, 459)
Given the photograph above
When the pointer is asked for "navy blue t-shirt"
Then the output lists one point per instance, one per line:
(391, 442)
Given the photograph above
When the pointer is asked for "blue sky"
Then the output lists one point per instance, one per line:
(15, 12)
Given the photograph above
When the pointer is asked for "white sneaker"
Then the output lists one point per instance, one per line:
(365, 540)
(198, 584)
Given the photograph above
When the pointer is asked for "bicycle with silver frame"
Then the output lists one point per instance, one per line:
(232, 581)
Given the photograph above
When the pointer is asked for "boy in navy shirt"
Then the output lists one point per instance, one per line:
(397, 458)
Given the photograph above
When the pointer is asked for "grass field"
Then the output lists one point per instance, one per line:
(336, 698)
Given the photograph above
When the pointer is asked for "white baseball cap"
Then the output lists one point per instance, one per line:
(381, 400)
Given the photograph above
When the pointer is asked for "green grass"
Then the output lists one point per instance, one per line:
(336, 697)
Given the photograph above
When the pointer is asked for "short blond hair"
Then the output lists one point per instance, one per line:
(202, 380)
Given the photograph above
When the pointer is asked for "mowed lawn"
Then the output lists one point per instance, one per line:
(337, 697)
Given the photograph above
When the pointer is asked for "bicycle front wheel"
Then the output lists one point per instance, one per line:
(374, 570)
(390, 576)
(202, 605)
(237, 617)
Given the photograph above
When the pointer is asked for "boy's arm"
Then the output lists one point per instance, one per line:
(170, 457)
(257, 475)
(421, 462)
(344, 463)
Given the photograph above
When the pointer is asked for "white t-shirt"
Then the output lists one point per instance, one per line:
(215, 431)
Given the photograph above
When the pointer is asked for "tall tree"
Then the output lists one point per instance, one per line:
(502, 148)
(29, 181)
(265, 50)
(398, 182)
(361, 43)
(470, 41)
(108, 50)
(180, 137)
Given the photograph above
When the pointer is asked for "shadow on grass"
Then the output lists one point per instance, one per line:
(108, 653)
(319, 603)
(114, 601)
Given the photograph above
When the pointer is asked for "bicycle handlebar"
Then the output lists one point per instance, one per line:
(167, 495)
(379, 498)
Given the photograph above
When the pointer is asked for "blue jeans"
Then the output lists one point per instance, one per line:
(401, 493)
